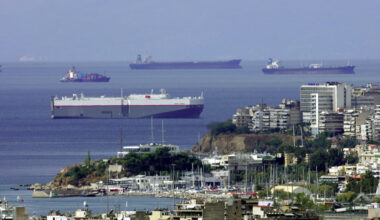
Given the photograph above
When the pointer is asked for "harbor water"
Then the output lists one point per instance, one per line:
(33, 147)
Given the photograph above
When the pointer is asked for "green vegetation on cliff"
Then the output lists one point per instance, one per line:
(159, 162)
(226, 127)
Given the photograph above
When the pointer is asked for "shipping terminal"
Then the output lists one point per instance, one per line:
(148, 105)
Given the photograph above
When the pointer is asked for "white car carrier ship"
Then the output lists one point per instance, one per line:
(132, 106)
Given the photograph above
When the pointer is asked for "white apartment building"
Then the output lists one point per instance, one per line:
(263, 117)
(329, 97)
(376, 124)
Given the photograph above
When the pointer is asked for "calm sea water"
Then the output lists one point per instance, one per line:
(33, 147)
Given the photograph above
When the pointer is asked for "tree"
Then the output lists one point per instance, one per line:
(366, 184)
(346, 197)
(335, 157)
(226, 127)
(319, 159)
(329, 190)
(87, 161)
(321, 141)
(351, 158)
(304, 200)
(348, 142)
(274, 142)
(160, 160)
(373, 142)
(281, 194)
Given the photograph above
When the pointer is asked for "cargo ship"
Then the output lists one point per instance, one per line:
(274, 67)
(74, 76)
(150, 105)
(147, 63)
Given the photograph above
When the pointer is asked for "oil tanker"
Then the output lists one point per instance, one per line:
(274, 67)
(74, 76)
(147, 63)
(150, 105)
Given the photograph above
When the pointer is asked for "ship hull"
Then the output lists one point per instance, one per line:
(306, 70)
(83, 80)
(127, 112)
(230, 64)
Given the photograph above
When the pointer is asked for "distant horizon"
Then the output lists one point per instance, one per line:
(210, 59)
(95, 30)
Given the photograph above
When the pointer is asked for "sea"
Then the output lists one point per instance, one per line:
(34, 148)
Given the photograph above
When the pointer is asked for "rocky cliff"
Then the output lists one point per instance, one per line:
(228, 143)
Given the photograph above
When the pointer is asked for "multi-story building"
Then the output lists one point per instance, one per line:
(263, 117)
(376, 124)
(331, 122)
(243, 117)
(316, 98)
(349, 124)
(362, 101)
(366, 130)
(331, 96)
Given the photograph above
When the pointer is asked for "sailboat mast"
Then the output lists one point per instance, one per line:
(151, 128)
(199, 145)
(121, 139)
(162, 130)
(192, 174)
(301, 135)
(294, 137)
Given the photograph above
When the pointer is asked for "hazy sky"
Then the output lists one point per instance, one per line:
(96, 30)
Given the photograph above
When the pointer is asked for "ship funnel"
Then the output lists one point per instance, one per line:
(163, 91)
(139, 59)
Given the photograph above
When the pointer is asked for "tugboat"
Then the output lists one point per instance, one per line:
(74, 76)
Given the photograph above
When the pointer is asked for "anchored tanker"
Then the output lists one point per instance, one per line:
(147, 63)
(274, 67)
(132, 106)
